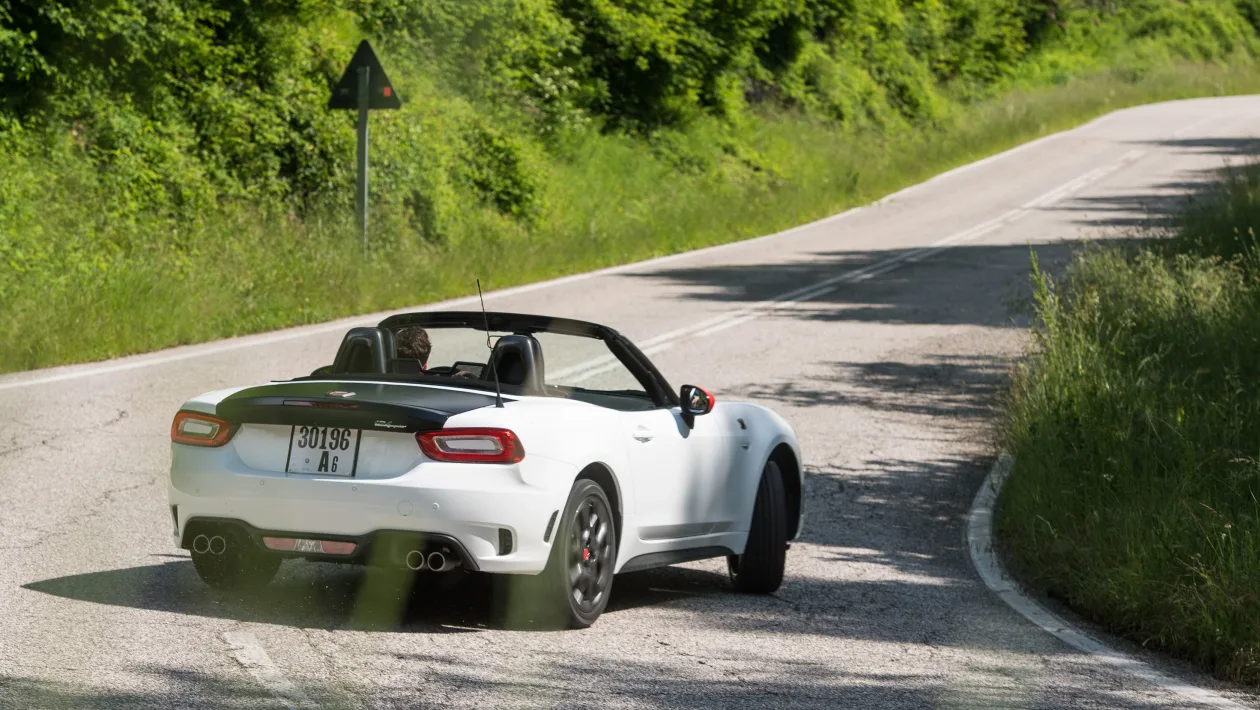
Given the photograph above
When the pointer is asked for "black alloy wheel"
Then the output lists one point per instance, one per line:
(573, 590)
(590, 555)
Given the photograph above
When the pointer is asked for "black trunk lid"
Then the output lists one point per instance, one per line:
(355, 405)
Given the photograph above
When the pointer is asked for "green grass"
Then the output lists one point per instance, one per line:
(1135, 426)
(107, 285)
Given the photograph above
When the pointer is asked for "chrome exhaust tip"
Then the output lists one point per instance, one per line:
(201, 544)
(218, 545)
(439, 562)
(415, 560)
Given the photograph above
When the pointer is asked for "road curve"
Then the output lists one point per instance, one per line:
(882, 335)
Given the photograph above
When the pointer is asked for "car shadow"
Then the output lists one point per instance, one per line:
(322, 595)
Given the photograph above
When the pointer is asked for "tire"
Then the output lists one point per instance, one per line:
(241, 567)
(573, 590)
(760, 569)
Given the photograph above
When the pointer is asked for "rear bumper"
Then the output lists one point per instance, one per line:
(469, 503)
(382, 547)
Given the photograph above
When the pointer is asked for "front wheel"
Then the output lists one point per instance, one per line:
(760, 569)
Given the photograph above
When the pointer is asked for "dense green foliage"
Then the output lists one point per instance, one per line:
(153, 144)
(1136, 431)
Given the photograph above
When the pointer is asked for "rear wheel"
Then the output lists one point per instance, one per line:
(573, 590)
(760, 569)
(589, 553)
(238, 566)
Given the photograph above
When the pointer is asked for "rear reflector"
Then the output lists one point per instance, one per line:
(326, 547)
(337, 548)
(472, 445)
(284, 544)
(200, 429)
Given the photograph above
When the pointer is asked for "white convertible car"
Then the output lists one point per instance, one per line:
(561, 474)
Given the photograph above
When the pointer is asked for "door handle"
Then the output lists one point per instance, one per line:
(643, 434)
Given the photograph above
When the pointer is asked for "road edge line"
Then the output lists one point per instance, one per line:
(985, 560)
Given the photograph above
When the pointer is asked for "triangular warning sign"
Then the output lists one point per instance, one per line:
(381, 93)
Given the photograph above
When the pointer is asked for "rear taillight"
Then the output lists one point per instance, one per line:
(472, 445)
(201, 429)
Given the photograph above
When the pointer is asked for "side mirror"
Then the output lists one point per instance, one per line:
(695, 401)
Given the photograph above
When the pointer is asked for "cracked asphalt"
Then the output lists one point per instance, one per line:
(890, 378)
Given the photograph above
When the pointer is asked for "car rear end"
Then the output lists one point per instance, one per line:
(398, 474)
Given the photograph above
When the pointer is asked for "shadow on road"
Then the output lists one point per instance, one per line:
(165, 688)
(1158, 207)
(1243, 147)
(322, 595)
(631, 682)
(960, 286)
(940, 385)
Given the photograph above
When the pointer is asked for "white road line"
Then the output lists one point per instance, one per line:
(132, 362)
(248, 652)
(987, 564)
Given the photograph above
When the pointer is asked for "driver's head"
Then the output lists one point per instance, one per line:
(414, 343)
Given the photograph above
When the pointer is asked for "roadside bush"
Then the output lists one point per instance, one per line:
(1135, 425)
(186, 103)
(1195, 30)
(494, 167)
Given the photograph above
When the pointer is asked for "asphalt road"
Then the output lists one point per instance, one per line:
(883, 336)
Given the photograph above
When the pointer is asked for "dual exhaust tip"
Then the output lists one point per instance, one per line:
(415, 559)
(435, 562)
(216, 545)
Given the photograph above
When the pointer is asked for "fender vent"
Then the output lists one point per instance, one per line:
(551, 523)
(505, 541)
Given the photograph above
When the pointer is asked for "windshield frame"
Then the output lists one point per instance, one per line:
(654, 383)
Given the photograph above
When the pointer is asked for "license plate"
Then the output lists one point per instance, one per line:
(323, 450)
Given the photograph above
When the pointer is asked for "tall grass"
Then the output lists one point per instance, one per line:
(1135, 426)
(117, 284)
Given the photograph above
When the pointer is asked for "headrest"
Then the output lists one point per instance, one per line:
(365, 351)
(518, 359)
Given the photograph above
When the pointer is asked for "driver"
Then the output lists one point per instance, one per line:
(414, 343)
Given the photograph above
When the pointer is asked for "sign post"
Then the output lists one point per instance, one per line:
(363, 86)
(361, 157)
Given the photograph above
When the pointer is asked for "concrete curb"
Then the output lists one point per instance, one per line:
(989, 566)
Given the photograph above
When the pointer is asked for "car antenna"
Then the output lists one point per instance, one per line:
(498, 393)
